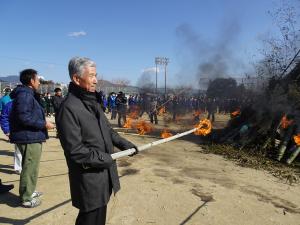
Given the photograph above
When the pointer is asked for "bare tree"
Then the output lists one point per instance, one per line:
(100, 83)
(279, 51)
(121, 82)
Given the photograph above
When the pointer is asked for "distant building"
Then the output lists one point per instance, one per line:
(107, 87)
(10, 81)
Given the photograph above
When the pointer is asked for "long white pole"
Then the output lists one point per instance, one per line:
(146, 146)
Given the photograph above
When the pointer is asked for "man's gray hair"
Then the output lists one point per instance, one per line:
(77, 65)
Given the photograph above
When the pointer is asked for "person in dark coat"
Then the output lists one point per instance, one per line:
(175, 107)
(28, 129)
(57, 99)
(211, 108)
(153, 110)
(49, 106)
(121, 103)
(88, 142)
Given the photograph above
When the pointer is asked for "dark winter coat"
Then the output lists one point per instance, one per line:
(121, 103)
(211, 106)
(27, 119)
(88, 142)
(56, 101)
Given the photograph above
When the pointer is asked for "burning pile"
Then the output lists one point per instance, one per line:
(128, 123)
(166, 133)
(141, 126)
(132, 116)
(297, 139)
(235, 113)
(162, 111)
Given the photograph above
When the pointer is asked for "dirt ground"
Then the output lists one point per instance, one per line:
(170, 184)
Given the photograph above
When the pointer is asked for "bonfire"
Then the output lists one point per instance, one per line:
(162, 111)
(166, 133)
(143, 127)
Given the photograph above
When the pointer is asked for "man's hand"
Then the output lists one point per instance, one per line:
(136, 150)
(49, 125)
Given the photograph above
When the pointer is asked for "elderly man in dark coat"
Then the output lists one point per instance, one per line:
(88, 142)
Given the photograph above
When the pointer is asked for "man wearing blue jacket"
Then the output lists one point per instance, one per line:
(5, 99)
(3, 102)
(4, 122)
(28, 129)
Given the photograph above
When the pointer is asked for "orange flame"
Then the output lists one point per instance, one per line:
(197, 113)
(297, 139)
(143, 127)
(162, 110)
(128, 123)
(166, 133)
(134, 115)
(203, 128)
(285, 123)
(236, 113)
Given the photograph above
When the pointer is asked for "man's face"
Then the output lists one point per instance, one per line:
(58, 93)
(35, 83)
(89, 79)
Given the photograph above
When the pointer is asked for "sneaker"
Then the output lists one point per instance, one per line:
(5, 188)
(36, 194)
(32, 203)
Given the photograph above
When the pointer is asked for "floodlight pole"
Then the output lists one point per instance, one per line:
(165, 62)
(156, 79)
(157, 61)
(161, 61)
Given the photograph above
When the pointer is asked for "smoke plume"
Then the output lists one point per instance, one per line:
(210, 59)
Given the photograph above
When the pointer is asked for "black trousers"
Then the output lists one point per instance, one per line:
(95, 217)
(153, 117)
(121, 116)
(212, 114)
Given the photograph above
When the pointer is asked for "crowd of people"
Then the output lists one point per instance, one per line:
(87, 137)
(119, 104)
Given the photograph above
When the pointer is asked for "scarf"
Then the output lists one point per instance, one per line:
(89, 99)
